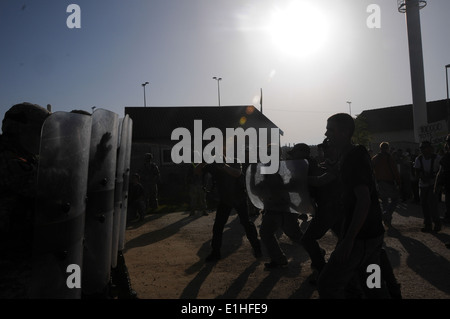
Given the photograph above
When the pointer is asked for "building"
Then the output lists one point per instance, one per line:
(153, 127)
(395, 125)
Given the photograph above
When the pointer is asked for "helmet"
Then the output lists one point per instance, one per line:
(25, 114)
(22, 123)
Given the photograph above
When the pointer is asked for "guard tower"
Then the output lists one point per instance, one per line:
(412, 8)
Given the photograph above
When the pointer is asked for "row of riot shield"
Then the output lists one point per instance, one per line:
(81, 203)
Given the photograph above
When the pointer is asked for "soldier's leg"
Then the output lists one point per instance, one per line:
(447, 204)
(316, 229)
(424, 202)
(336, 275)
(394, 195)
(374, 256)
(249, 226)
(325, 219)
(271, 222)
(387, 274)
(291, 227)
(192, 200)
(141, 209)
(434, 211)
(222, 215)
(154, 196)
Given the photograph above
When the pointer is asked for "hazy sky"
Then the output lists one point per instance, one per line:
(309, 56)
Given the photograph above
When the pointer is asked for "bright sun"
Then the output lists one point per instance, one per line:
(298, 29)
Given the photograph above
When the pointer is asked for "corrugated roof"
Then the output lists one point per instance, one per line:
(159, 122)
(400, 118)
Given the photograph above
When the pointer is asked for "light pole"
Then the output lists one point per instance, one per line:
(448, 103)
(350, 107)
(143, 85)
(218, 86)
(419, 101)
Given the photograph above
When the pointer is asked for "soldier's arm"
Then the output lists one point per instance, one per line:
(235, 172)
(19, 177)
(254, 188)
(360, 213)
(439, 181)
(199, 168)
(321, 180)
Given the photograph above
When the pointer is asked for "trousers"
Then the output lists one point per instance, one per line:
(222, 215)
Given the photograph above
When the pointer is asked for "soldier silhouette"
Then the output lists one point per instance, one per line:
(19, 147)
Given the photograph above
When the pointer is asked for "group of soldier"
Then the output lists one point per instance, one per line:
(63, 202)
(341, 194)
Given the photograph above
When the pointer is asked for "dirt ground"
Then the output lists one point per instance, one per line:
(165, 258)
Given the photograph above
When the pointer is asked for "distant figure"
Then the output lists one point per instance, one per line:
(150, 177)
(414, 178)
(230, 182)
(442, 184)
(136, 199)
(427, 166)
(19, 149)
(274, 193)
(404, 168)
(388, 181)
(211, 193)
(196, 190)
(361, 238)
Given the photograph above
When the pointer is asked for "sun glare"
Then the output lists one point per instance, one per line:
(299, 29)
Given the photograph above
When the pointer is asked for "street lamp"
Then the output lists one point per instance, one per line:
(350, 107)
(143, 85)
(448, 103)
(218, 86)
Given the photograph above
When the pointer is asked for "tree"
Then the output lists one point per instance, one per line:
(362, 135)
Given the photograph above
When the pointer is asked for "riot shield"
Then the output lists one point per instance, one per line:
(100, 204)
(60, 207)
(126, 181)
(286, 190)
(118, 191)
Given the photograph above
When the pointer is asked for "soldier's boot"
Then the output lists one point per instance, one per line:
(256, 245)
(121, 280)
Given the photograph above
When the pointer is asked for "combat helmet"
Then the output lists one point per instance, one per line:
(22, 124)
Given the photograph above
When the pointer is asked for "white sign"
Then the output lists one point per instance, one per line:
(434, 132)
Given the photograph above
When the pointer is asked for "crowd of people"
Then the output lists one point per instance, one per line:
(354, 192)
